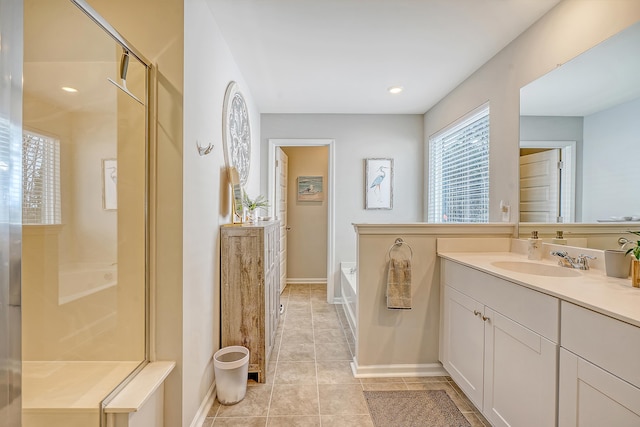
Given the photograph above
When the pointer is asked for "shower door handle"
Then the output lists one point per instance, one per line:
(15, 286)
(14, 259)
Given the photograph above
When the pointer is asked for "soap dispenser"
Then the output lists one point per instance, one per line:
(559, 239)
(535, 247)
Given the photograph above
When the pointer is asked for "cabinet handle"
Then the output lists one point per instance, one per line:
(485, 318)
(476, 313)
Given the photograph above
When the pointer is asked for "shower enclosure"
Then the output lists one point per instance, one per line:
(84, 214)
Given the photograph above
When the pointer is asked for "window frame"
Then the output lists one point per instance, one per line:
(435, 180)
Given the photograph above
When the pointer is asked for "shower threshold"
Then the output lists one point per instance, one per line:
(68, 393)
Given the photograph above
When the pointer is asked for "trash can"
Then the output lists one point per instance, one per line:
(231, 366)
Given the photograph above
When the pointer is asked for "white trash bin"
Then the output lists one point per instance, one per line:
(231, 366)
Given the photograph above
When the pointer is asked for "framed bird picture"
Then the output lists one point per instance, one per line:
(378, 183)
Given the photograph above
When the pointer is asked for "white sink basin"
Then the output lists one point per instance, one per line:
(536, 269)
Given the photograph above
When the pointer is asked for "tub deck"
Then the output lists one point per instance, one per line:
(349, 297)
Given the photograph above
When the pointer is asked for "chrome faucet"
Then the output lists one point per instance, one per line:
(581, 262)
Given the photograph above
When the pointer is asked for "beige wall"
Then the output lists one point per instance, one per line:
(92, 230)
(307, 239)
(404, 342)
(569, 29)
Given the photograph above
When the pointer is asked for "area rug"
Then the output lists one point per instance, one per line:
(414, 408)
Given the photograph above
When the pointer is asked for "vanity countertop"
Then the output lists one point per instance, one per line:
(592, 289)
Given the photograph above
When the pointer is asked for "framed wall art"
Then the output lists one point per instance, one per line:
(310, 189)
(109, 184)
(236, 132)
(378, 187)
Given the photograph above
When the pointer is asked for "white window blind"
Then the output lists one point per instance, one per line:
(40, 179)
(459, 171)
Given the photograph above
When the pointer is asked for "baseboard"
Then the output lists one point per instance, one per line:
(206, 404)
(307, 281)
(408, 370)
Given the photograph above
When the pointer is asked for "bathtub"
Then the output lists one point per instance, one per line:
(348, 291)
(79, 280)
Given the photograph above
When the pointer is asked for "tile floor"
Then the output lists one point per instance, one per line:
(309, 379)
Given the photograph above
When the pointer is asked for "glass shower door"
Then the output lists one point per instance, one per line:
(10, 211)
(84, 258)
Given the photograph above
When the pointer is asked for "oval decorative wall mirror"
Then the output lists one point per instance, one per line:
(236, 132)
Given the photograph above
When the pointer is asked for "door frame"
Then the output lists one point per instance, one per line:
(330, 188)
(568, 182)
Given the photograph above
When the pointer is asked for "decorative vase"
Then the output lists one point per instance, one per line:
(252, 216)
(635, 273)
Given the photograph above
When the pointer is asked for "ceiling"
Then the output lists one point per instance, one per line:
(341, 56)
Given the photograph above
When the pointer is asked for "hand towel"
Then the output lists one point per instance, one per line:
(399, 285)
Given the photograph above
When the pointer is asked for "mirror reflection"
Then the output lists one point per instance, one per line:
(579, 130)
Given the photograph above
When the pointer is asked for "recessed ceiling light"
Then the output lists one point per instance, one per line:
(395, 89)
(69, 89)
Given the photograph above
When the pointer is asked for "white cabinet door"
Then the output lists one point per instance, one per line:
(593, 397)
(463, 351)
(520, 374)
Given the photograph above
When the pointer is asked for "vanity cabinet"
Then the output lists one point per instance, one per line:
(499, 344)
(599, 371)
(250, 297)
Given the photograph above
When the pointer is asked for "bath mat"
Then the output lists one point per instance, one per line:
(414, 408)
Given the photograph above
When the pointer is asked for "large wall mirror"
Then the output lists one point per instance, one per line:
(584, 116)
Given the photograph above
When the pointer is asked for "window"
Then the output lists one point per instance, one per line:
(40, 179)
(459, 170)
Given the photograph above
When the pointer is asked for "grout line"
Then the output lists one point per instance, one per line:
(315, 358)
(279, 344)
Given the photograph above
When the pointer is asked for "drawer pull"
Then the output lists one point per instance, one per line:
(476, 313)
(485, 318)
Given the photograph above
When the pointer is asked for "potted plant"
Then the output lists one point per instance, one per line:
(252, 206)
(635, 264)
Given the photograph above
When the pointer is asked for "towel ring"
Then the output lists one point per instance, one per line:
(399, 242)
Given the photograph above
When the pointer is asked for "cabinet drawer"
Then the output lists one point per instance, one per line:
(609, 343)
(535, 310)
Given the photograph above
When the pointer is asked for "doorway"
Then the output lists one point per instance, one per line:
(274, 186)
(536, 191)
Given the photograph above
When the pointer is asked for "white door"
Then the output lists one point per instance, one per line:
(519, 374)
(463, 351)
(592, 397)
(540, 186)
(281, 174)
